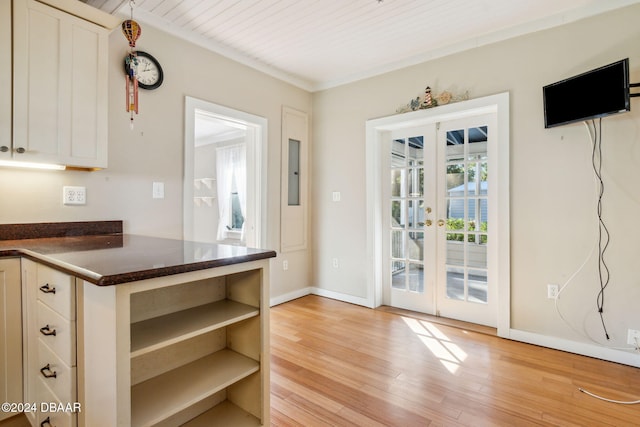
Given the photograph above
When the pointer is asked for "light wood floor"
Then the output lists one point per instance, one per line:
(338, 364)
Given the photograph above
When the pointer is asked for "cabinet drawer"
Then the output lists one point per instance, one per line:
(58, 333)
(57, 290)
(56, 374)
(47, 400)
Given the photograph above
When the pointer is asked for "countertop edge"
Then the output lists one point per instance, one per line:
(117, 279)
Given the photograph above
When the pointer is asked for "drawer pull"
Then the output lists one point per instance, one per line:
(49, 373)
(46, 422)
(47, 290)
(47, 331)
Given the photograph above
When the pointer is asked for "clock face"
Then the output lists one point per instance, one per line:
(147, 71)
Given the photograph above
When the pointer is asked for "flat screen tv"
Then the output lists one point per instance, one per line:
(596, 93)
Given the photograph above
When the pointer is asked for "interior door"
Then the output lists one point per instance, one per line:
(466, 285)
(409, 192)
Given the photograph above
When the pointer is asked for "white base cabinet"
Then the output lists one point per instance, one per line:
(189, 348)
(10, 334)
(49, 344)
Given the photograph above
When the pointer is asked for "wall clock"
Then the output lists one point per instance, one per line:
(149, 72)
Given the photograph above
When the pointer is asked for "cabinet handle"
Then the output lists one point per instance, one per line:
(4, 149)
(20, 150)
(51, 374)
(47, 331)
(46, 422)
(47, 290)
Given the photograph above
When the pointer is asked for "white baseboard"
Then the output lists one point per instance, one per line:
(291, 296)
(342, 297)
(320, 292)
(631, 358)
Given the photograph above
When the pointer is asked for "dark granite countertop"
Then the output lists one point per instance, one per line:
(111, 259)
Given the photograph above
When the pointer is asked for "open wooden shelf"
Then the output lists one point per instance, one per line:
(223, 415)
(158, 332)
(157, 399)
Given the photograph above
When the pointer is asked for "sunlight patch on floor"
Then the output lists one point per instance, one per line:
(450, 354)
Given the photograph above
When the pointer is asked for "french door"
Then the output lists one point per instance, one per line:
(436, 215)
(410, 195)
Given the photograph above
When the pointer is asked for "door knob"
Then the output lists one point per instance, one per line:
(428, 222)
(440, 222)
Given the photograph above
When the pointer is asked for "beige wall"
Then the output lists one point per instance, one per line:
(553, 221)
(553, 204)
(153, 151)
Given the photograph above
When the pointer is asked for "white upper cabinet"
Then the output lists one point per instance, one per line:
(5, 79)
(60, 82)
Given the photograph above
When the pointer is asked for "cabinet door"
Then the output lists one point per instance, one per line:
(5, 80)
(10, 333)
(60, 87)
(29, 337)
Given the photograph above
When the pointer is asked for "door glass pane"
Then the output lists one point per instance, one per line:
(415, 182)
(478, 286)
(397, 182)
(397, 244)
(416, 277)
(477, 135)
(397, 153)
(455, 137)
(416, 245)
(398, 277)
(477, 253)
(473, 208)
(455, 283)
(472, 176)
(455, 249)
(455, 179)
(397, 210)
(416, 151)
(416, 213)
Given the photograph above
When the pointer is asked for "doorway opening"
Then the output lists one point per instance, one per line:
(224, 175)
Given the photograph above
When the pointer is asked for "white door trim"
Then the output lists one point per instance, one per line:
(258, 162)
(375, 134)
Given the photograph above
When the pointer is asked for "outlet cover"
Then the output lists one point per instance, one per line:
(74, 195)
(632, 335)
(552, 291)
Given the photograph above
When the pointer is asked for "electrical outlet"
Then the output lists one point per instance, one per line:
(552, 291)
(74, 195)
(335, 263)
(632, 336)
(285, 265)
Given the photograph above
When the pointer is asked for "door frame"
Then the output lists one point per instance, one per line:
(378, 129)
(256, 161)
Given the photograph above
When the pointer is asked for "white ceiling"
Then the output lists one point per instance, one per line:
(318, 44)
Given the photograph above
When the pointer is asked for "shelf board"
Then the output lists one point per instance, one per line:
(223, 415)
(165, 395)
(158, 332)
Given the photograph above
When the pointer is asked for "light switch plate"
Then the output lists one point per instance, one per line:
(158, 190)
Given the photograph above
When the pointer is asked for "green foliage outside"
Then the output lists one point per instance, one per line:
(458, 224)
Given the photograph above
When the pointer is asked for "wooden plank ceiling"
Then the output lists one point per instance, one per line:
(317, 44)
